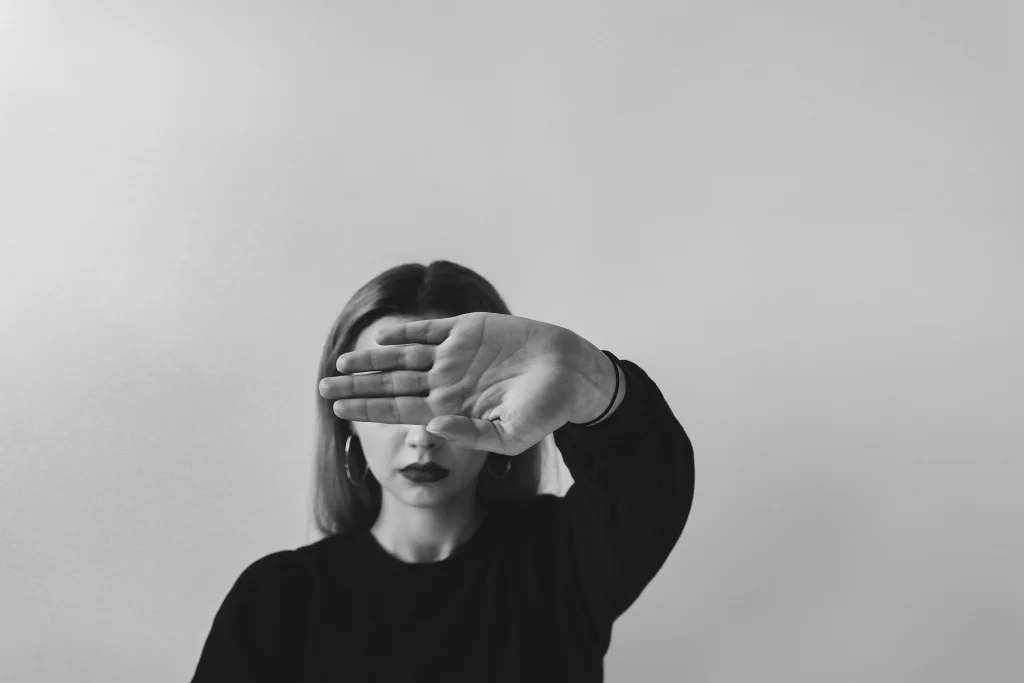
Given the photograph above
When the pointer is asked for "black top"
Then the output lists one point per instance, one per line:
(530, 596)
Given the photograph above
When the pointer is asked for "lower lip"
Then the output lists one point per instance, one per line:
(421, 477)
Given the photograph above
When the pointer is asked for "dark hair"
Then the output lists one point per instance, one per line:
(441, 290)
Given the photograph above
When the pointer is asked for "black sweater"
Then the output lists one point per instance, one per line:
(530, 596)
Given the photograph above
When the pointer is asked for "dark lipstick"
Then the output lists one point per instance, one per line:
(428, 472)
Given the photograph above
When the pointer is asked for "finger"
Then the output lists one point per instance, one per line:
(381, 385)
(412, 357)
(417, 332)
(399, 410)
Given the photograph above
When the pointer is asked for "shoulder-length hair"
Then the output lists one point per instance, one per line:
(439, 290)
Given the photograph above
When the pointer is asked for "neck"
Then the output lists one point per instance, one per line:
(426, 534)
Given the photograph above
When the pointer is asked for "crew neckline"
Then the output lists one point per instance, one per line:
(385, 560)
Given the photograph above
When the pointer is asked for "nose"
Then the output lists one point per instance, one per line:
(419, 437)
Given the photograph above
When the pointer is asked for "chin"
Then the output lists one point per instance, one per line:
(425, 496)
(425, 500)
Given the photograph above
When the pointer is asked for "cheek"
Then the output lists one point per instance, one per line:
(471, 465)
(377, 449)
(378, 465)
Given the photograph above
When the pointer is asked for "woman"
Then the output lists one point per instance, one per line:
(441, 561)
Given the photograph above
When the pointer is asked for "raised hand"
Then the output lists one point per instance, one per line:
(486, 381)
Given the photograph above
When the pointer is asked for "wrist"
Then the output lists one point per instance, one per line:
(598, 378)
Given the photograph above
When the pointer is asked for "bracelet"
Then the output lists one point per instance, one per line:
(615, 394)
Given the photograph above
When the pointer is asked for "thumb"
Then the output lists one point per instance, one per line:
(481, 435)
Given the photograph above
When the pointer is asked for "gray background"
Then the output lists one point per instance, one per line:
(802, 219)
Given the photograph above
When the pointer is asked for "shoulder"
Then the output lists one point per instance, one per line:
(272, 590)
(284, 572)
(293, 573)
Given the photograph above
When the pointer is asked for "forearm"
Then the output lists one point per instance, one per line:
(597, 384)
(633, 487)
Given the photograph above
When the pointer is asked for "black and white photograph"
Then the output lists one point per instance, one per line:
(511, 342)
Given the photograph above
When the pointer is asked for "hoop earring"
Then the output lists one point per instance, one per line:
(508, 466)
(348, 472)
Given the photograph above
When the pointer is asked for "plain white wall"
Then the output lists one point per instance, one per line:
(802, 219)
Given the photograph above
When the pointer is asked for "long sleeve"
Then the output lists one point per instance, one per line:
(257, 634)
(634, 484)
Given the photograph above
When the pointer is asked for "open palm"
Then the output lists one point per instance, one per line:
(487, 381)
